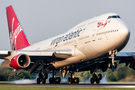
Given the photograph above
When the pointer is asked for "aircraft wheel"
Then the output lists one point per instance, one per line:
(57, 80)
(40, 75)
(99, 76)
(70, 80)
(110, 65)
(51, 80)
(97, 81)
(44, 81)
(76, 80)
(94, 76)
(45, 75)
(38, 80)
(115, 65)
(92, 81)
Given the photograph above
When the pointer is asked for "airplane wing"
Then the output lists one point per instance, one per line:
(102, 62)
(55, 53)
(3, 54)
(34, 56)
(125, 54)
(127, 58)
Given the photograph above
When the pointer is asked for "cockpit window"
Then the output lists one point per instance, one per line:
(116, 16)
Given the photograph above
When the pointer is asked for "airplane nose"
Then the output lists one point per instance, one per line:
(124, 35)
(124, 32)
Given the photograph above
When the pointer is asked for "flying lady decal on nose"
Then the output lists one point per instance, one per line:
(101, 25)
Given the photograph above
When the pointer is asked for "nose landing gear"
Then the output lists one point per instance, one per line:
(112, 63)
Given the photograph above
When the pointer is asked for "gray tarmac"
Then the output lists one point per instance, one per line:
(72, 85)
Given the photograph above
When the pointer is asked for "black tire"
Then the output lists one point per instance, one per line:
(97, 81)
(115, 65)
(38, 80)
(94, 76)
(57, 80)
(76, 80)
(44, 81)
(40, 75)
(92, 81)
(110, 65)
(51, 80)
(99, 76)
(70, 80)
(45, 75)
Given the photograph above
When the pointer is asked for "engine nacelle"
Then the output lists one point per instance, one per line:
(20, 61)
(132, 64)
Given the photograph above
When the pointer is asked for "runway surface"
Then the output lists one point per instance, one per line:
(72, 85)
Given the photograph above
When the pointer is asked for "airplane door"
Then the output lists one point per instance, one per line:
(94, 35)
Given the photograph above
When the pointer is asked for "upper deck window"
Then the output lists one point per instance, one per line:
(116, 16)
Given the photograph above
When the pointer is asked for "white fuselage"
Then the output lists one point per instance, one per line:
(88, 40)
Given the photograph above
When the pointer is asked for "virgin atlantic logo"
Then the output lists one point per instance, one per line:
(14, 33)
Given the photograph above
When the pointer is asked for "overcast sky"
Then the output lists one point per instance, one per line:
(42, 19)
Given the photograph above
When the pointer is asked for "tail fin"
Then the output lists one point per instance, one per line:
(17, 36)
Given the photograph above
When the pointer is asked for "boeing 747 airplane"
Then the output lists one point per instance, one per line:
(93, 44)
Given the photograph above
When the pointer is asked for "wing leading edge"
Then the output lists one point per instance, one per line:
(35, 55)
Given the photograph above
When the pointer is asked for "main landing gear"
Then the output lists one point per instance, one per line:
(42, 78)
(54, 80)
(73, 79)
(96, 78)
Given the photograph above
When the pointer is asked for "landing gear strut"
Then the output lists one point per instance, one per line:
(112, 63)
(96, 78)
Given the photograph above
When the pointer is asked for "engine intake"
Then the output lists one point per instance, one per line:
(20, 61)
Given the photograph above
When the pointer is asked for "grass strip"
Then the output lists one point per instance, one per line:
(59, 88)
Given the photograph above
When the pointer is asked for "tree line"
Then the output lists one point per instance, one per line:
(122, 72)
(8, 74)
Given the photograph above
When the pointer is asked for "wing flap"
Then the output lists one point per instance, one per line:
(54, 53)
(6, 63)
(62, 54)
(38, 53)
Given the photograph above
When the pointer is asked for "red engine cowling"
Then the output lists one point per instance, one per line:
(132, 64)
(20, 61)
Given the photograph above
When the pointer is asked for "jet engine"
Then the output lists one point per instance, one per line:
(20, 61)
(132, 64)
